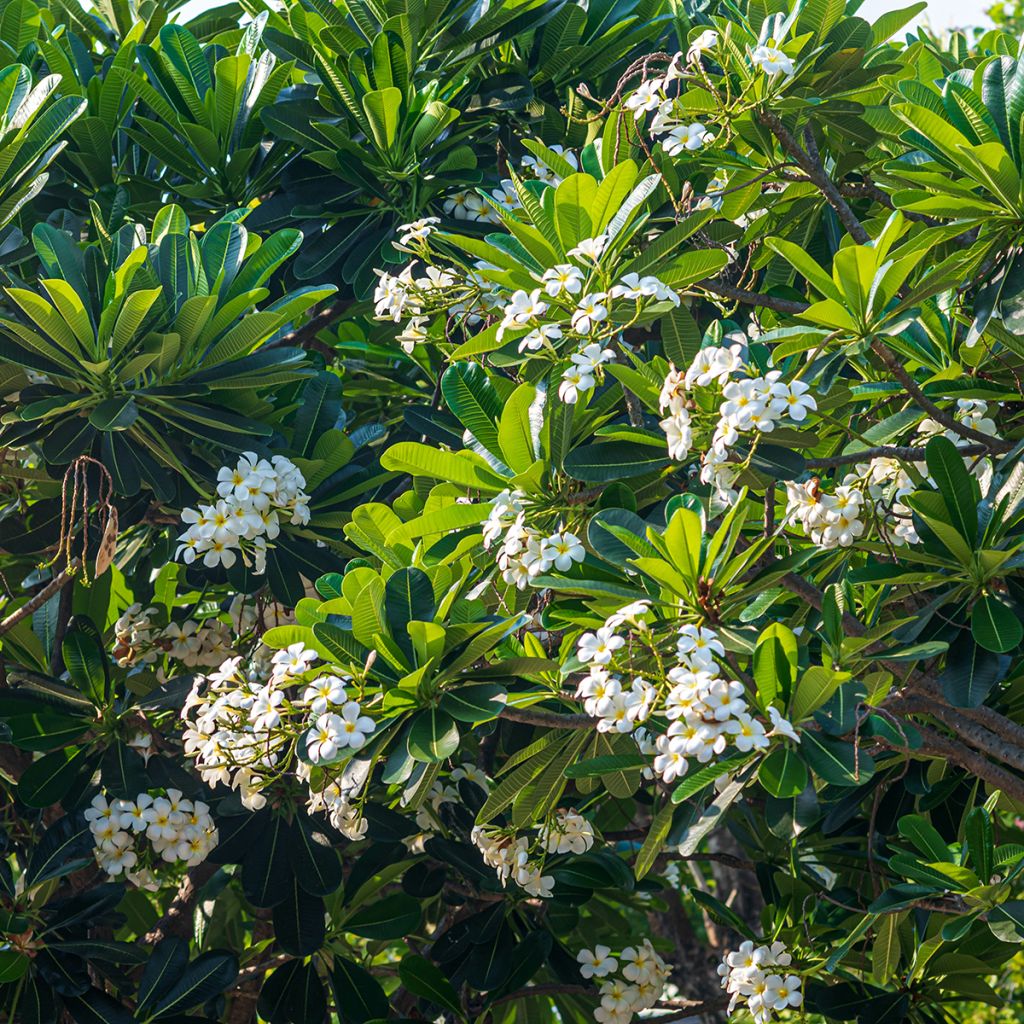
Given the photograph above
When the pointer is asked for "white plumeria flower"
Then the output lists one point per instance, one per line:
(792, 399)
(294, 659)
(355, 726)
(598, 646)
(324, 738)
(538, 336)
(596, 963)
(563, 277)
(417, 230)
(590, 312)
(707, 40)
(647, 96)
(690, 137)
(590, 248)
(574, 382)
(562, 550)
(772, 61)
(592, 356)
(781, 726)
(325, 691)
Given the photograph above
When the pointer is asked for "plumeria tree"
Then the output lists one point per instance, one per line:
(509, 513)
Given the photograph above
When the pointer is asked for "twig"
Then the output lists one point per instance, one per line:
(947, 419)
(306, 335)
(61, 580)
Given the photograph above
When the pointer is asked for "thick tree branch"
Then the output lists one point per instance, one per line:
(937, 745)
(749, 298)
(548, 719)
(811, 165)
(178, 919)
(906, 454)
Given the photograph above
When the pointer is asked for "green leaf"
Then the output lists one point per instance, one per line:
(995, 626)
(815, 688)
(477, 702)
(433, 736)
(316, 862)
(358, 995)
(980, 842)
(423, 979)
(836, 761)
(392, 917)
(207, 976)
(957, 487)
(970, 673)
(299, 926)
(115, 413)
(382, 108)
(657, 833)
(86, 661)
(613, 460)
(783, 773)
(47, 780)
(920, 831)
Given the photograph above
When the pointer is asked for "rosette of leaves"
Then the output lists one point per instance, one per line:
(152, 349)
(31, 129)
(390, 139)
(198, 116)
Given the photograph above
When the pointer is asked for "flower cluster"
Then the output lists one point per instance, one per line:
(875, 490)
(244, 724)
(510, 858)
(133, 836)
(576, 311)
(669, 125)
(252, 499)
(750, 404)
(510, 855)
(469, 205)
(754, 976)
(695, 711)
(441, 793)
(630, 981)
(525, 552)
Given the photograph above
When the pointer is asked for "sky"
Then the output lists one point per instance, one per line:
(941, 14)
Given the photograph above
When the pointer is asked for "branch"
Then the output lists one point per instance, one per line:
(61, 580)
(969, 731)
(941, 746)
(749, 298)
(811, 165)
(178, 919)
(947, 419)
(548, 719)
(306, 335)
(907, 454)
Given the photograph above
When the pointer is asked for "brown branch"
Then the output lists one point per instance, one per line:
(749, 298)
(964, 728)
(548, 719)
(306, 335)
(178, 918)
(947, 419)
(61, 580)
(810, 164)
(907, 454)
(936, 744)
